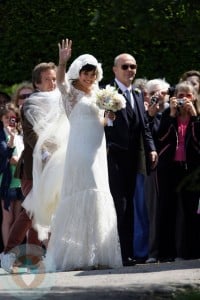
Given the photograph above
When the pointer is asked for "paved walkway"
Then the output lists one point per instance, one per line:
(141, 282)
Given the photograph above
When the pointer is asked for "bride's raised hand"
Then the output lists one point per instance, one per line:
(65, 49)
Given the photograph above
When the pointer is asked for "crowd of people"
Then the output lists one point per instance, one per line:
(87, 188)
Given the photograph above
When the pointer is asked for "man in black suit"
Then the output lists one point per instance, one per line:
(124, 140)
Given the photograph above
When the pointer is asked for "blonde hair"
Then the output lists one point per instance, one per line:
(21, 86)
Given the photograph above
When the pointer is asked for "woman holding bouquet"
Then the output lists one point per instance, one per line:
(84, 230)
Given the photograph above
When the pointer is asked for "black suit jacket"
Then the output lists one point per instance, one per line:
(124, 140)
(123, 135)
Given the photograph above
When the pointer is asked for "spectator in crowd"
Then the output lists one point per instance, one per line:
(140, 219)
(193, 76)
(23, 91)
(140, 83)
(11, 146)
(123, 146)
(4, 98)
(157, 90)
(43, 79)
(179, 159)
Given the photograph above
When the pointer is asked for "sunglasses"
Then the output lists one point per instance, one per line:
(24, 96)
(187, 95)
(125, 67)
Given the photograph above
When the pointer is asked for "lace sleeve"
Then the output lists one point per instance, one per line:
(69, 97)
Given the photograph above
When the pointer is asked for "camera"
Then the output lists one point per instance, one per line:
(12, 121)
(180, 102)
(154, 100)
(171, 91)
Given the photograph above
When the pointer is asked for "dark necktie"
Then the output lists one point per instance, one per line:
(128, 96)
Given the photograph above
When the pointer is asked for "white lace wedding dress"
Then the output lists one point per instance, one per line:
(84, 228)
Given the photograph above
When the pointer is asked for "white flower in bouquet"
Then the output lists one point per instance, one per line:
(110, 99)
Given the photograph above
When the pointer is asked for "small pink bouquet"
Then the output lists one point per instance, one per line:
(110, 100)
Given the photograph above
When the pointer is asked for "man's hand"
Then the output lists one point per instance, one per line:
(109, 118)
(153, 159)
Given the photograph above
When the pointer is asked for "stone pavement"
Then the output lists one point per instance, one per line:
(141, 282)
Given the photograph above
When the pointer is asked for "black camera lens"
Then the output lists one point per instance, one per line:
(12, 121)
(180, 102)
(171, 91)
(154, 100)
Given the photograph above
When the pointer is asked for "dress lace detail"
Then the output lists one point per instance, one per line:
(71, 95)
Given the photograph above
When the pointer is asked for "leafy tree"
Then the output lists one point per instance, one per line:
(162, 35)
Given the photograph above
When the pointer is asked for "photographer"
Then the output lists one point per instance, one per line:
(178, 175)
(193, 76)
(157, 90)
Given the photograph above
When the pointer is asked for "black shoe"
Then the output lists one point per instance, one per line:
(166, 259)
(140, 260)
(129, 262)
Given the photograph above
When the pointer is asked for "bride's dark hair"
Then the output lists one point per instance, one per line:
(85, 62)
(88, 68)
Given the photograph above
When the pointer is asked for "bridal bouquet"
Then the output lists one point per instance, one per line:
(110, 100)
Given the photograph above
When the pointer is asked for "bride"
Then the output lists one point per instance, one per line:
(84, 226)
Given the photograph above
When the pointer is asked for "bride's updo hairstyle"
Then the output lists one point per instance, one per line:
(88, 68)
(85, 62)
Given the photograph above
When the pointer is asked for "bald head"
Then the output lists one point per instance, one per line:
(125, 68)
(122, 57)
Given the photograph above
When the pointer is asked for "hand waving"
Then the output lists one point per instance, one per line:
(64, 51)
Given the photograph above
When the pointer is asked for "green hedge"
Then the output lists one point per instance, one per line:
(162, 35)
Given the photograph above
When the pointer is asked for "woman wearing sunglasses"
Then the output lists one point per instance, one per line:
(24, 90)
